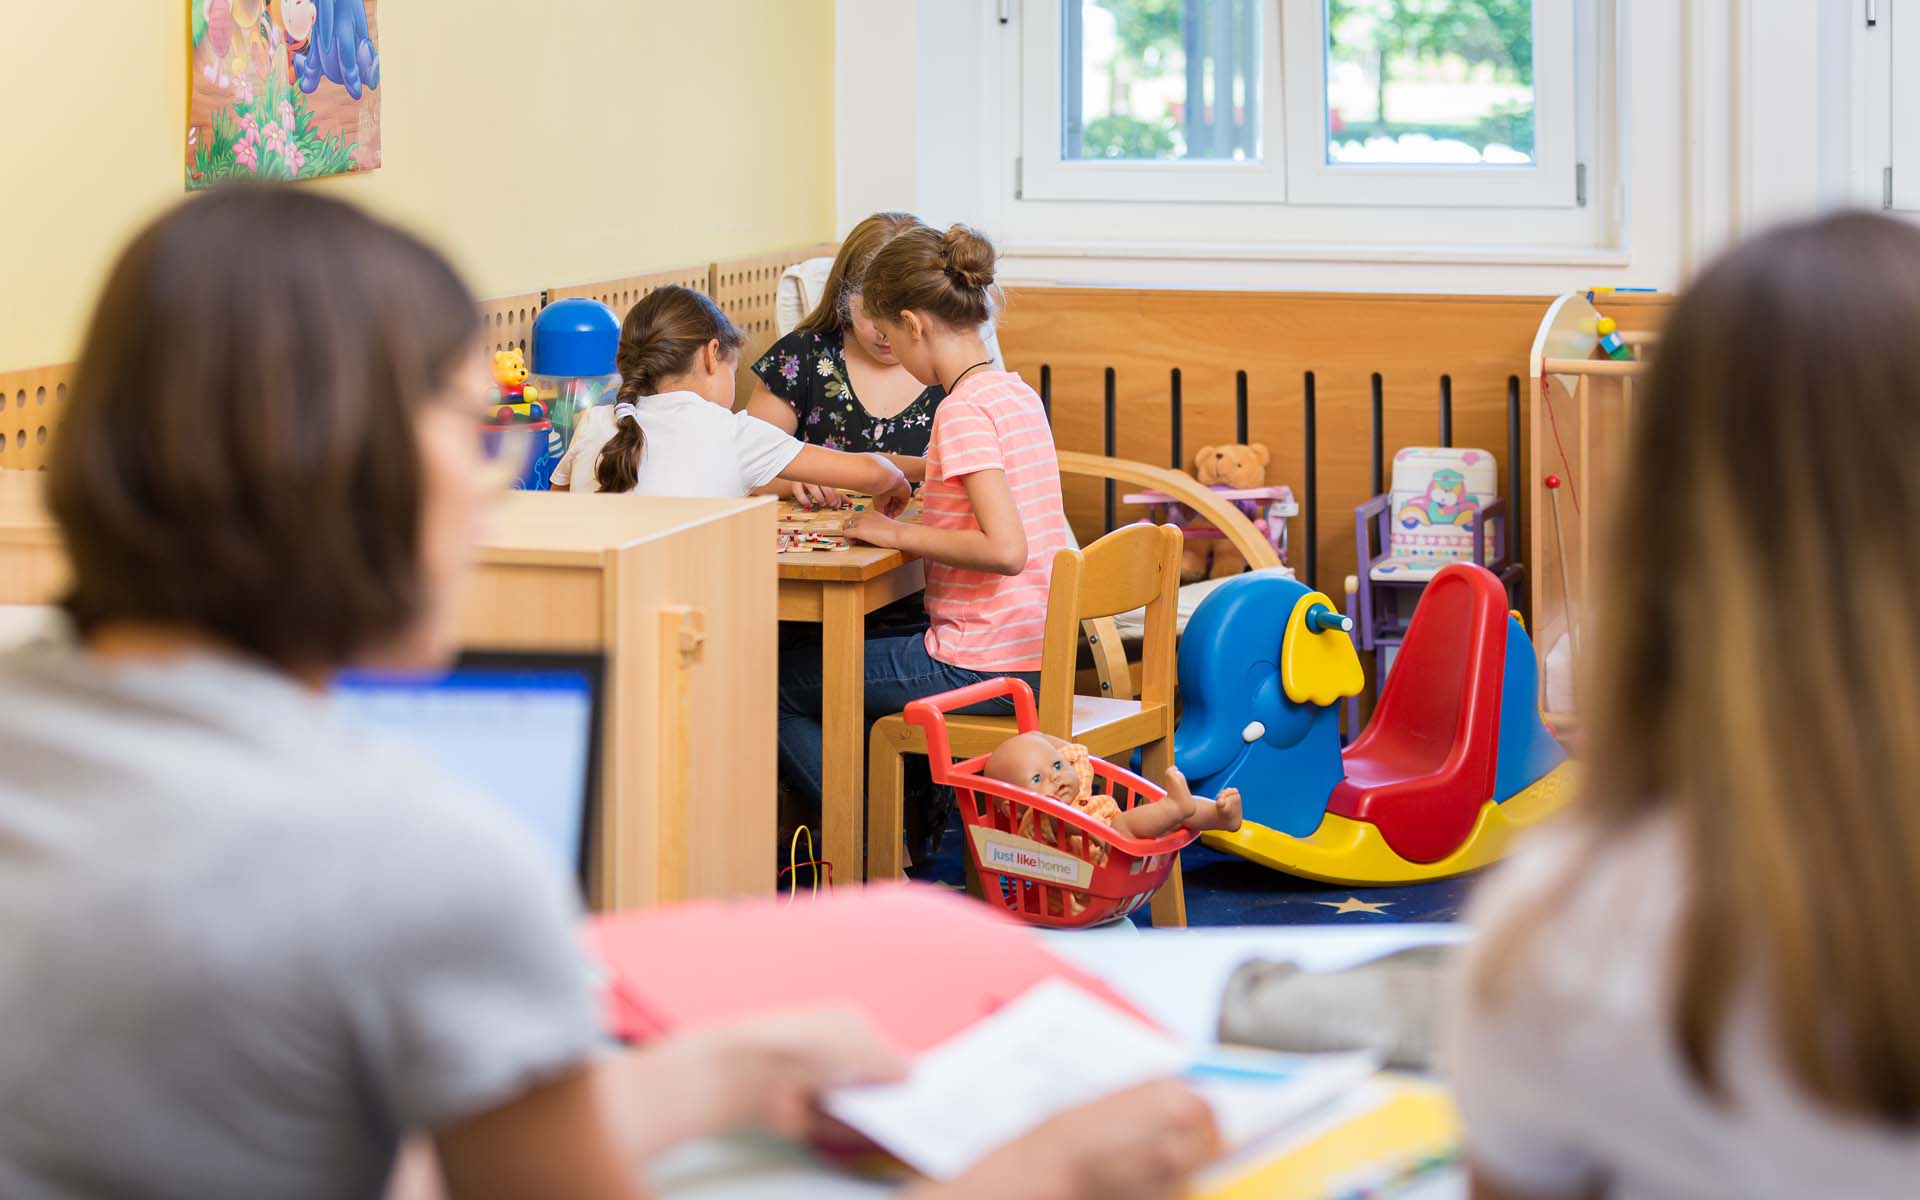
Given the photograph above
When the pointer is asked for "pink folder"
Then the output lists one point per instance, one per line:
(923, 963)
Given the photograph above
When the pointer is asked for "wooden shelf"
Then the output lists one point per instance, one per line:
(687, 787)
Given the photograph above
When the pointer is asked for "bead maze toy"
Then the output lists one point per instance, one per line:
(1585, 372)
(1454, 761)
(1038, 858)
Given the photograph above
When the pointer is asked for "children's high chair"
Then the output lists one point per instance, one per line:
(1443, 506)
(1129, 568)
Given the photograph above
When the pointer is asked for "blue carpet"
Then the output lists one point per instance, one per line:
(1225, 890)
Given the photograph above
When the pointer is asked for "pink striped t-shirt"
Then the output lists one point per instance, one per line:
(984, 622)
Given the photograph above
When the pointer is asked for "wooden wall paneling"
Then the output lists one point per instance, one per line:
(507, 321)
(31, 403)
(623, 293)
(1276, 338)
(1078, 333)
(745, 288)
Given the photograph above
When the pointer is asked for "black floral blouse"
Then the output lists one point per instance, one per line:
(809, 372)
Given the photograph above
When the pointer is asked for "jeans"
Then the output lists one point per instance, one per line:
(905, 615)
(899, 670)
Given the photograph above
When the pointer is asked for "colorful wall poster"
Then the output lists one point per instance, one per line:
(282, 89)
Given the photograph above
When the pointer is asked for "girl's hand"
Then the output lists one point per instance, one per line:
(813, 495)
(872, 528)
(1141, 1144)
(891, 499)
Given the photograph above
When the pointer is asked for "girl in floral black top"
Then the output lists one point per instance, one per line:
(808, 378)
(807, 372)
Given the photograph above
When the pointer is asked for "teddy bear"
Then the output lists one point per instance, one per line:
(1230, 466)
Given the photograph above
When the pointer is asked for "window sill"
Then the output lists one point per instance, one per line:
(1322, 252)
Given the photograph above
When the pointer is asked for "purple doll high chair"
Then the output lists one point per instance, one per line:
(1443, 506)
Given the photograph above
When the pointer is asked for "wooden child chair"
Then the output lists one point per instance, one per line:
(1134, 567)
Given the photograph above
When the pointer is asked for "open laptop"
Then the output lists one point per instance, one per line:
(521, 728)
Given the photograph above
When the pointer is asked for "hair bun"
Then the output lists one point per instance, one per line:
(967, 257)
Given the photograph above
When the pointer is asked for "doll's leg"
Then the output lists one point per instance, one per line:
(1161, 817)
(1222, 814)
(1179, 797)
(1150, 820)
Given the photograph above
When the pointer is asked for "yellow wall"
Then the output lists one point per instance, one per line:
(539, 142)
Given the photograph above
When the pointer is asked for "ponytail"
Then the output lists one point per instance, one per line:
(618, 467)
(659, 340)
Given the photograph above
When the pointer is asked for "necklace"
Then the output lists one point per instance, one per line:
(970, 370)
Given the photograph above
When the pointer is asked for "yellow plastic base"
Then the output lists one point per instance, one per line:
(1344, 850)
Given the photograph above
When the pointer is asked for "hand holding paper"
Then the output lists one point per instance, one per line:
(1057, 1048)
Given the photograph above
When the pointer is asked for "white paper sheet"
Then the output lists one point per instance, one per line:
(1058, 1047)
(1054, 1048)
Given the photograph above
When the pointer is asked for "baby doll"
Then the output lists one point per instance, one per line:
(1045, 764)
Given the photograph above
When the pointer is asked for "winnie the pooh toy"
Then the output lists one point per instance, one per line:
(510, 379)
(1232, 466)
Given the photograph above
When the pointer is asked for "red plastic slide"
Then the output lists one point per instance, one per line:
(1424, 765)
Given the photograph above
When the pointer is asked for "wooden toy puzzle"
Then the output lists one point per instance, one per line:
(804, 530)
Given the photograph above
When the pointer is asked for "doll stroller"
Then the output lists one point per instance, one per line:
(1039, 859)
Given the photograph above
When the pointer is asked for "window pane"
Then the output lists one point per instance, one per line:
(1430, 81)
(1160, 79)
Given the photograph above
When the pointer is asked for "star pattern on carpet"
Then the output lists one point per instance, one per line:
(1353, 904)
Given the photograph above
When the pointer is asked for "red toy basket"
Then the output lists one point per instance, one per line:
(1040, 859)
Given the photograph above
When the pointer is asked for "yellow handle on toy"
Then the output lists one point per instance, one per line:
(1318, 664)
(794, 860)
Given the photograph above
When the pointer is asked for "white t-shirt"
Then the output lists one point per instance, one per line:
(1571, 1078)
(693, 448)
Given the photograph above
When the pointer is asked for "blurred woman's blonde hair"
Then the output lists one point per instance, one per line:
(1756, 665)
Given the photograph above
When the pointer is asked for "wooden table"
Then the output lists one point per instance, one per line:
(680, 597)
(836, 590)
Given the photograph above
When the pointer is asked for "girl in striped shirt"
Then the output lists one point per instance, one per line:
(992, 517)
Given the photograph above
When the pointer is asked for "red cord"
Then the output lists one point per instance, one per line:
(1546, 395)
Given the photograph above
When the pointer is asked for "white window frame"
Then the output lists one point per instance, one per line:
(1549, 182)
(1898, 102)
(1293, 167)
(1048, 175)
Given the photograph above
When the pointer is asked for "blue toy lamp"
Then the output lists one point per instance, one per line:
(575, 342)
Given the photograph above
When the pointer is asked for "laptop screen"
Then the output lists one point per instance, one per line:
(520, 729)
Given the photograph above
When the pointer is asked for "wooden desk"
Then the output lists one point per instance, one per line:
(836, 590)
(680, 597)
